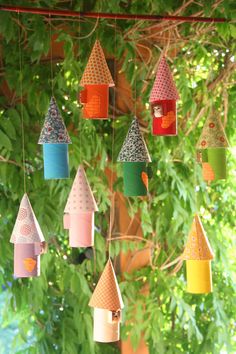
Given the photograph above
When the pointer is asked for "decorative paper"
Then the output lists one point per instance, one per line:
(96, 100)
(26, 229)
(54, 130)
(164, 87)
(213, 135)
(168, 120)
(81, 229)
(207, 172)
(197, 246)
(81, 198)
(107, 293)
(97, 71)
(134, 148)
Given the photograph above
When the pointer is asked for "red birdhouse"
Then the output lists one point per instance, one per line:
(163, 102)
(96, 81)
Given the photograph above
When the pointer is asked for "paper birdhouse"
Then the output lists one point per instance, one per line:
(198, 255)
(28, 240)
(135, 157)
(96, 81)
(163, 102)
(212, 146)
(107, 303)
(55, 140)
(79, 212)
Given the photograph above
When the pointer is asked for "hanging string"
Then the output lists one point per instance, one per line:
(135, 78)
(80, 116)
(51, 44)
(111, 218)
(21, 107)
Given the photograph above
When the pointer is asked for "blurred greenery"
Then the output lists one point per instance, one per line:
(50, 314)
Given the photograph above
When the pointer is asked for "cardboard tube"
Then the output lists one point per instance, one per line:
(164, 118)
(199, 276)
(217, 160)
(56, 161)
(97, 99)
(104, 330)
(134, 182)
(81, 230)
(26, 262)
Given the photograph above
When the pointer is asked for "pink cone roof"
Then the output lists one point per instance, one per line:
(197, 246)
(213, 134)
(107, 292)
(26, 229)
(81, 198)
(97, 71)
(164, 87)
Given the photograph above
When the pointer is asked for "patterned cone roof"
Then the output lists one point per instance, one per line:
(107, 292)
(197, 246)
(81, 198)
(213, 134)
(54, 130)
(97, 71)
(164, 87)
(26, 229)
(134, 148)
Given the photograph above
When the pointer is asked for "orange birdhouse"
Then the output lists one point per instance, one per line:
(163, 102)
(96, 81)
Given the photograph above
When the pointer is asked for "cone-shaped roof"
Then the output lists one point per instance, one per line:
(107, 292)
(81, 198)
(197, 246)
(213, 134)
(54, 130)
(164, 87)
(26, 229)
(134, 148)
(97, 71)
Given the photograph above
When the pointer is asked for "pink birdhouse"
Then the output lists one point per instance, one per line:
(163, 102)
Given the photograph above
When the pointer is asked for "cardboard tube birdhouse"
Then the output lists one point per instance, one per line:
(79, 212)
(107, 303)
(211, 147)
(135, 157)
(28, 242)
(55, 139)
(198, 255)
(96, 81)
(163, 99)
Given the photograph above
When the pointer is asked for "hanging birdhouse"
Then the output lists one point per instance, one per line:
(211, 147)
(96, 81)
(135, 157)
(107, 303)
(163, 102)
(198, 255)
(79, 212)
(55, 140)
(28, 241)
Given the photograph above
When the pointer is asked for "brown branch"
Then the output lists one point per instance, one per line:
(3, 159)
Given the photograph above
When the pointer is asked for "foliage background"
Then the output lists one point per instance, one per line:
(51, 312)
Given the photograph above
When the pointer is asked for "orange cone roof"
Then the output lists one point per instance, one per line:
(197, 246)
(164, 87)
(81, 198)
(97, 71)
(213, 134)
(107, 293)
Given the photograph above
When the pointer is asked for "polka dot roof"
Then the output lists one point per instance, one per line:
(97, 71)
(107, 292)
(26, 229)
(213, 134)
(164, 87)
(81, 198)
(197, 246)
